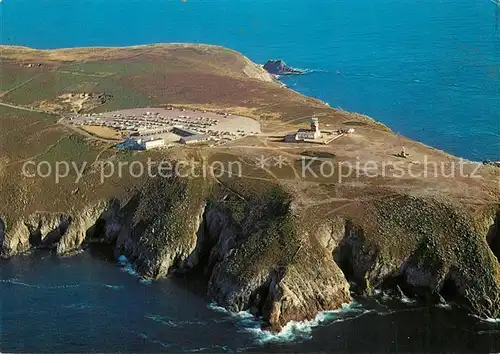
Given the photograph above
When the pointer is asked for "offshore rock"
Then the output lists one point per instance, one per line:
(279, 67)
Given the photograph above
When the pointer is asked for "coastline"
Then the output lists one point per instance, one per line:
(287, 217)
(275, 78)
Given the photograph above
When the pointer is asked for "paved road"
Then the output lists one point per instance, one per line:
(20, 107)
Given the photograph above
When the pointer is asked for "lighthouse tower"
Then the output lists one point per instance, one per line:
(315, 128)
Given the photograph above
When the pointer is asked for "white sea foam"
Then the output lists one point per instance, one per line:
(64, 286)
(383, 295)
(212, 349)
(298, 331)
(443, 304)
(17, 282)
(37, 286)
(487, 319)
(310, 71)
(77, 306)
(145, 337)
(162, 319)
(217, 308)
(146, 281)
(388, 295)
(129, 268)
(114, 287)
(293, 330)
(405, 299)
(174, 323)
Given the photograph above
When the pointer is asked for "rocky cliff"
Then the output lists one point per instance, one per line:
(279, 67)
(281, 240)
(253, 252)
(264, 254)
(427, 246)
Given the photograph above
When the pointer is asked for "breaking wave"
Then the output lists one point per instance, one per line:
(443, 304)
(487, 319)
(127, 267)
(113, 287)
(310, 71)
(388, 295)
(15, 281)
(165, 320)
(293, 331)
(299, 331)
(403, 298)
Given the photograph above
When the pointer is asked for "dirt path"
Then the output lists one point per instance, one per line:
(21, 108)
(34, 157)
(20, 85)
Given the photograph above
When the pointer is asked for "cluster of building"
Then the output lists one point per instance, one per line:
(30, 65)
(314, 134)
(157, 127)
(151, 128)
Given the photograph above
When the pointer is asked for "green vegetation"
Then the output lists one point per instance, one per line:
(48, 85)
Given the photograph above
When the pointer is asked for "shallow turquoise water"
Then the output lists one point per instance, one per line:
(430, 69)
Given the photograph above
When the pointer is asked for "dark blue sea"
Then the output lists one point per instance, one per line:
(86, 303)
(429, 69)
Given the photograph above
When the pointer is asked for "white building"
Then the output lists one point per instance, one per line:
(193, 139)
(151, 144)
(313, 133)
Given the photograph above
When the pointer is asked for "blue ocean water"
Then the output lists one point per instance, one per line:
(429, 69)
(87, 304)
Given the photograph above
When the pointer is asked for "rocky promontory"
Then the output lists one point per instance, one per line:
(279, 67)
(255, 253)
(284, 237)
(264, 254)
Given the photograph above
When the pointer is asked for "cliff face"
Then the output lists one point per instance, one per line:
(254, 253)
(265, 255)
(491, 226)
(429, 247)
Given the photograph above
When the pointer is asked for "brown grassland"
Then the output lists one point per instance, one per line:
(196, 76)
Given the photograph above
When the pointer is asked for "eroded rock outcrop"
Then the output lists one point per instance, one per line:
(64, 233)
(424, 245)
(159, 232)
(252, 251)
(268, 263)
(2, 231)
(492, 225)
(36, 231)
(265, 254)
(279, 67)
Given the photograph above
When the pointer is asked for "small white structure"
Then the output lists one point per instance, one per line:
(313, 133)
(346, 130)
(193, 139)
(151, 144)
